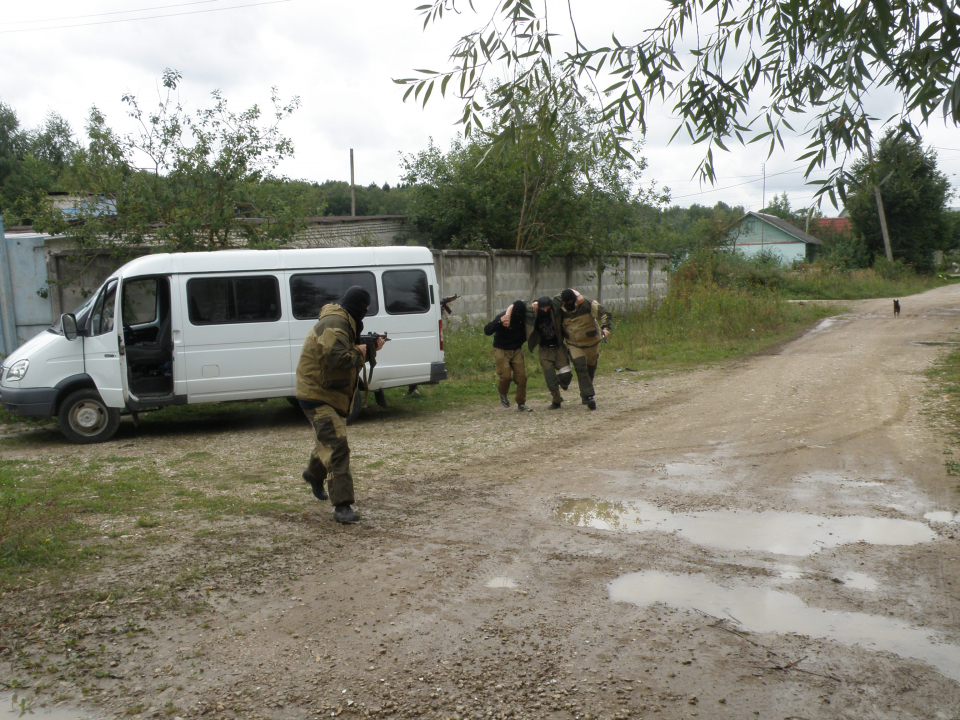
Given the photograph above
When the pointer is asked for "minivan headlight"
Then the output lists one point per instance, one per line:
(18, 370)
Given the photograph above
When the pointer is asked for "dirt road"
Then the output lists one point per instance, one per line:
(769, 538)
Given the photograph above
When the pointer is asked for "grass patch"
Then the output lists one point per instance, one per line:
(816, 283)
(52, 513)
(945, 375)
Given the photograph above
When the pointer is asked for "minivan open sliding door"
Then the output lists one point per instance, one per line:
(102, 343)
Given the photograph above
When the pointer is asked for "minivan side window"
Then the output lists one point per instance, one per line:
(101, 320)
(140, 301)
(224, 300)
(405, 292)
(311, 291)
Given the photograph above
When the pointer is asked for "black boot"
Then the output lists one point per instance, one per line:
(318, 492)
(590, 403)
(345, 514)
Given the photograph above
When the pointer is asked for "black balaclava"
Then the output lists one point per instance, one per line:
(355, 301)
(519, 312)
(544, 304)
(569, 299)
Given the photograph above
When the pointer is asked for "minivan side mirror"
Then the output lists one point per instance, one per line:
(68, 321)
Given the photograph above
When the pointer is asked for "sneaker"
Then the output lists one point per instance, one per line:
(553, 406)
(590, 403)
(318, 492)
(412, 390)
(524, 408)
(504, 400)
(345, 514)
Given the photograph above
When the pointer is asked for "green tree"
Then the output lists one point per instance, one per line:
(32, 163)
(713, 59)
(914, 196)
(184, 181)
(370, 199)
(544, 191)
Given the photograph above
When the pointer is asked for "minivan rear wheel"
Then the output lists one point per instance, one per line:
(85, 418)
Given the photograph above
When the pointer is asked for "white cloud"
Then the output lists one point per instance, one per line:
(340, 59)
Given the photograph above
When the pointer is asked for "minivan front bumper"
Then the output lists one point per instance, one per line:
(33, 402)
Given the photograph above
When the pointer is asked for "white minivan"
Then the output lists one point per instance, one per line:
(186, 328)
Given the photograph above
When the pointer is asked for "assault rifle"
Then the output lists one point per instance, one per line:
(445, 304)
(370, 340)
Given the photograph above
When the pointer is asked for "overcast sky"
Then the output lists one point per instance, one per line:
(340, 59)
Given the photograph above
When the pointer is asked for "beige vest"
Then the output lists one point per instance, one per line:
(581, 327)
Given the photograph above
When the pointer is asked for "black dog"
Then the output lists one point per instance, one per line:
(896, 308)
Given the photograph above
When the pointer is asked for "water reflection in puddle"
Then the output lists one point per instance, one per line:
(942, 516)
(860, 581)
(10, 707)
(765, 610)
(783, 533)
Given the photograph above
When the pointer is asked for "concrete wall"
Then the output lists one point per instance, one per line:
(489, 281)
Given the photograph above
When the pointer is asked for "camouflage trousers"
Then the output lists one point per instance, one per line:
(510, 367)
(584, 361)
(556, 370)
(330, 459)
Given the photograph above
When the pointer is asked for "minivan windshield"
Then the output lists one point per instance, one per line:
(81, 313)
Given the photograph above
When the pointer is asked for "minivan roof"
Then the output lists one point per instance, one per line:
(300, 258)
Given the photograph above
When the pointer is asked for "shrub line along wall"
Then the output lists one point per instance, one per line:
(489, 281)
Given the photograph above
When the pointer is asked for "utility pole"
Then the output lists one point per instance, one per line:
(763, 202)
(876, 192)
(353, 192)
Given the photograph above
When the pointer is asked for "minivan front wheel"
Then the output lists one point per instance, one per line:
(84, 418)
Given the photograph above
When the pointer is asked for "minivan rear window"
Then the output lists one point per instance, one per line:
(224, 300)
(311, 291)
(406, 292)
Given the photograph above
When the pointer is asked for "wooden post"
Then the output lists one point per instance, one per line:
(491, 269)
(353, 194)
(627, 257)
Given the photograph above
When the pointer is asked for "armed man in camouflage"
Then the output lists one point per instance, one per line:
(585, 324)
(327, 377)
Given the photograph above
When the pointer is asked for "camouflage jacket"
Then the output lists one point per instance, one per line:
(330, 363)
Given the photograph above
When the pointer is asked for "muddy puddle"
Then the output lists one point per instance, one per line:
(18, 705)
(767, 610)
(782, 533)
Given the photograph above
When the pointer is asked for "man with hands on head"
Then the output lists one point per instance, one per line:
(327, 377)
(508, 339)
(544, 333)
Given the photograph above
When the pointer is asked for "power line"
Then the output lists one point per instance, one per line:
(729, 187)
(150, 17)
(105, 14)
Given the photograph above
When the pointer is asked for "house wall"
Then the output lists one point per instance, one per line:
(773, 240)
